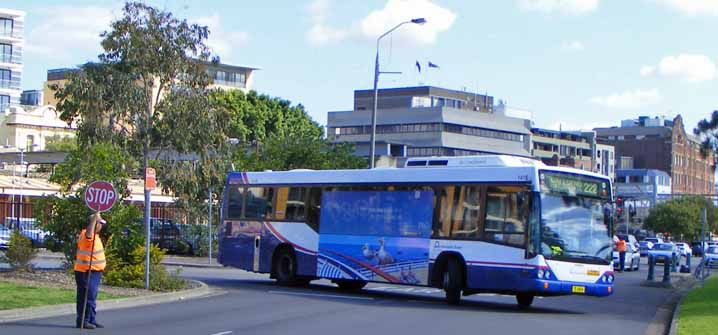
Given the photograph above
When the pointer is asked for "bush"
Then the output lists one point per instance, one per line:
(20, 252)
(131, 272)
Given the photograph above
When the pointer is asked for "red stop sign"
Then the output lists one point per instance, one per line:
(100, 196)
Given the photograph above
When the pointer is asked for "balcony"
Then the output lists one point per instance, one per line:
(9, 84)
(237, 84)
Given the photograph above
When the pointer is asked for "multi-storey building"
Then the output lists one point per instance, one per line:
(574, 149)
(12, 24)
(656, 143)
(429, 121)
(224, 76)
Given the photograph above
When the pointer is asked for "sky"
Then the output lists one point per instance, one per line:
(574, 64)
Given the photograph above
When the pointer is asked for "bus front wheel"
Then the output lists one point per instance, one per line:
(524, 300)
(452, 281)
(285, 267)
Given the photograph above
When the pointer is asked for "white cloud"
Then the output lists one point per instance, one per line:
(438, 20)
(572, 46)
(584, 126)
(647, 70)
(565, 7)
(628, 99)
(64, 32)
(220, 41)
(693, 7)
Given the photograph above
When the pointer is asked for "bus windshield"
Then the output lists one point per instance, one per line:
(574, 227)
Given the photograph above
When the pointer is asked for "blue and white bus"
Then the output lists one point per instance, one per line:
(494, 224)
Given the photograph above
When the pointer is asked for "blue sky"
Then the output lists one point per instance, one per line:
(579, 63)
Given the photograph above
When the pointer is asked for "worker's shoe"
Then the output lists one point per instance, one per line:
(87, 325)
(97, 325)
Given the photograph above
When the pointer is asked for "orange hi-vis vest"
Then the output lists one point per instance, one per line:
(621, 246)
(84, 252)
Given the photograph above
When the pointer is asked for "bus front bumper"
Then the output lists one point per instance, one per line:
(552, 287)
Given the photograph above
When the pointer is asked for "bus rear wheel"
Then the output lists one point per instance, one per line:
(452, 281)
(285, 267)
(350, 285)
(524, 300)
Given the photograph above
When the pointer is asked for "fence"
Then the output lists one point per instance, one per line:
(166, 229)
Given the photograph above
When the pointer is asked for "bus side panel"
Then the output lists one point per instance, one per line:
(300, 236)
(237, 246)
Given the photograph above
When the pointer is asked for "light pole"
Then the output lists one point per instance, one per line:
(372, 140)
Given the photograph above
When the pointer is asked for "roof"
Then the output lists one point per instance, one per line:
(622, 131)
(640, 172)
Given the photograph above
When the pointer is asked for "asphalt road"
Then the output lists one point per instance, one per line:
(248, 303)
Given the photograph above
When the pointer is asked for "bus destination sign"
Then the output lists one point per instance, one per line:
(574, 185)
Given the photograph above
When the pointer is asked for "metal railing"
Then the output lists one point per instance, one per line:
(703, 270)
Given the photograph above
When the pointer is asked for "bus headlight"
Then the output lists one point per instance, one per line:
(540, 273)
(608, 279)
(547, 274)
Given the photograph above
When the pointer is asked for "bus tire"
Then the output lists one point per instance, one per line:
(524, 300)
(452, 281)
(350, 285)
(284, 267)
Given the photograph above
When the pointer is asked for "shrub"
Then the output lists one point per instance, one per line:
(131, 272)
(20, 252)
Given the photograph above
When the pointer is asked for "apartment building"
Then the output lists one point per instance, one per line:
(12, 26)
(575, 149)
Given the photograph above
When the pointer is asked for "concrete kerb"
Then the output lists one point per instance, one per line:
(666, 315)
(106, 305)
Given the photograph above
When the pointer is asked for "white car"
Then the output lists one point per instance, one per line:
(711, 256)
(684, 248)
(632, 261)
(4, 238)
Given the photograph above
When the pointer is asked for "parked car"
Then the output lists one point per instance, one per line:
(684, 249)
(665, 251)
(4, 238)
(167, 235)
(633, 255)
(711, 257)
(697, 249)
(654, 240)
(644, 246)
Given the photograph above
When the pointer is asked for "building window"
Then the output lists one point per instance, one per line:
(5, 53)
(4, 102)
(30, 143)
(6, 26)
(418, 102)
(5, 78)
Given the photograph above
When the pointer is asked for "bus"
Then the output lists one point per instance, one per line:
(467, 225)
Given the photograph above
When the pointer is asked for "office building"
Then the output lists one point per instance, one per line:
(575, 149)
(12, 26)
(660, 144)
(429, 121)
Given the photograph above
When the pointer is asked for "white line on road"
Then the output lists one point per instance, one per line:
(223, 333)
(321, 295)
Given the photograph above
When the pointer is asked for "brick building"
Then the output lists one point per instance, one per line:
(655, 143)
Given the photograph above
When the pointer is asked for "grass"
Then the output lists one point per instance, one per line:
(21, 296)
(699, 311)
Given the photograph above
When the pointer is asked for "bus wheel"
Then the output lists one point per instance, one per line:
(350, 285)
(285, 267)
(524, 300)
(452, 281)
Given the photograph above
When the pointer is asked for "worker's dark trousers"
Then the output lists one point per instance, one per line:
(81, 280)
(622, 260)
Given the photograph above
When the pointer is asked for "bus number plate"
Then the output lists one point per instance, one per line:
(578, 289)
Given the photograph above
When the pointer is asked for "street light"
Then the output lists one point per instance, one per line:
(420, 20)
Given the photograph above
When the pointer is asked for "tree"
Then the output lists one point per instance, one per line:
(681, 217)
(707, 130)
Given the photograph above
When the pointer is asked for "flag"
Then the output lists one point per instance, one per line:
(418, 66)
(433, 65)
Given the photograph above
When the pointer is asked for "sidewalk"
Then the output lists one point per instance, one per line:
(48, 259)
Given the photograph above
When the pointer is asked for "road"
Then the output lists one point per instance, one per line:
(247, 303)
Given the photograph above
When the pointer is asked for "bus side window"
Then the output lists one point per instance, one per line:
(259, 204)
(443, 202)
(507, 212)
(467, 213)
(295, 203)
(234, 202)
(313, 205)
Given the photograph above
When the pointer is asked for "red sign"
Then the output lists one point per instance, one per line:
(150, 179)
(100, 196)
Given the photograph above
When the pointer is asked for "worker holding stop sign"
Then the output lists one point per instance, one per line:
(90, 260)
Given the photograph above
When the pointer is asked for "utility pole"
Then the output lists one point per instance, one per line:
(209, 223)
(704, 218)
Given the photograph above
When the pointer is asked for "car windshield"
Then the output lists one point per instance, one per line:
(575, 228)
(663, 247)
(712, 250)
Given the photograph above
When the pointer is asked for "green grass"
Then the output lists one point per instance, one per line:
(20, 296)
(699, 311)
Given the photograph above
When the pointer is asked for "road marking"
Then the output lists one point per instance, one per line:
(321, 295)
(223, 333)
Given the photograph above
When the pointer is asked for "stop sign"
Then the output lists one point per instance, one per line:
(100, 196)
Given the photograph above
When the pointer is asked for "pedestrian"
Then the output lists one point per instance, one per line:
(621, 248)
(89, 264)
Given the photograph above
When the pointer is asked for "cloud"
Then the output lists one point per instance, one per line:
(572, 46)
(693, 7)
(564, 7)
(220, 41)
(65, 32)
(573, 126)
(647, 70)
(686, 67)
(628, 99)
(438, 20)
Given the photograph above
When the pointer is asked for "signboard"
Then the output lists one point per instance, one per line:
(573, 185)
(100, 196)
(150, 179)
